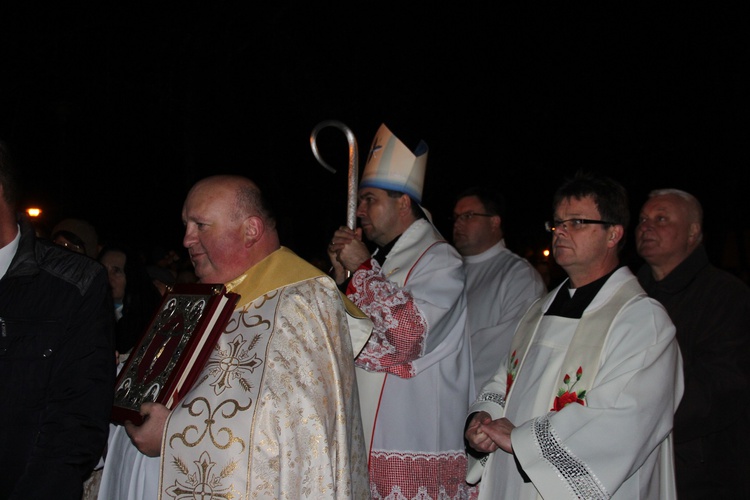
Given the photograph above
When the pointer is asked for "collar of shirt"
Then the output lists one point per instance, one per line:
(680, 278)
(382, 252)
(8, 252)
(569, 305)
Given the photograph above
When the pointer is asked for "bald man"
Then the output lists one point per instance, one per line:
(275, 413)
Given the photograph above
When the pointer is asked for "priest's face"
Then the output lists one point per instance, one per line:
(584, 251)
(379, 215)
(213, 232)
(474, 230)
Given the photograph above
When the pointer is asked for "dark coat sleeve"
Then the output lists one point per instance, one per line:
(74, 421)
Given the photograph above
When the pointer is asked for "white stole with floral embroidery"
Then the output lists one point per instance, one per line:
(585, 349)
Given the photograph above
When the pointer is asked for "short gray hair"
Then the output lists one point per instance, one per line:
(695, 210)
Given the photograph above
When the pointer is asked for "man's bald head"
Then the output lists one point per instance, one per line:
(228, 227)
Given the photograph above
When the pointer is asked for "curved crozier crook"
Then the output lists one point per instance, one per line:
(351, 209)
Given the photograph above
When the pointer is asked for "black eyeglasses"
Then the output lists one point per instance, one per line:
(573, 224)
(467, 216)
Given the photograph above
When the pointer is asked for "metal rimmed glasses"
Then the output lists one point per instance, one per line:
(573, 224)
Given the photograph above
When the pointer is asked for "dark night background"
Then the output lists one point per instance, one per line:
(113, 110)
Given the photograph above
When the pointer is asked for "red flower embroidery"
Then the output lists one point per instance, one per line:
(566, 395)
(565, 399)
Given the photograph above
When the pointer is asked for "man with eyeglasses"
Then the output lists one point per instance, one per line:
(500, 285)
(711, 310)
(77, 235)
(414, 375)
(583, 405)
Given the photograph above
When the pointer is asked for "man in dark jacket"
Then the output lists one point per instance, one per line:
(711, 310)
(57, 362)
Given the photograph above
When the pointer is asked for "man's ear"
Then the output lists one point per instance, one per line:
(496, 221)
(252, 229)
(404, 203)
(693, 231)
(616, 233)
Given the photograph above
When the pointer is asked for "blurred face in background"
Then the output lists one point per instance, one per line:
(474, 230)
(667, 232)
(114, 262)
(69, 244)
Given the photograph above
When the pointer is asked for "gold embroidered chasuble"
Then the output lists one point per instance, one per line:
(275, 412)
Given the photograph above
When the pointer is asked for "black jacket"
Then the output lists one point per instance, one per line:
(57, 369)
(711, 311)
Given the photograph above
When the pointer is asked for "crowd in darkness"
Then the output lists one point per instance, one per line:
(659, 346)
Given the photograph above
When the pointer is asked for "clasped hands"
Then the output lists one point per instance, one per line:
(347, 252)
(487, 436)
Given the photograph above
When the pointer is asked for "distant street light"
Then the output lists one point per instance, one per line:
(34, 212)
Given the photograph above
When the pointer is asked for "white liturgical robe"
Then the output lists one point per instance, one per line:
(620, 371)
(500, 287)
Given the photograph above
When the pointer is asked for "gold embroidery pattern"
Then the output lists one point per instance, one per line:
(231, 363)
(287, 358)
(261, 301)
(233, 373)
(202, 483)
(233, 408)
